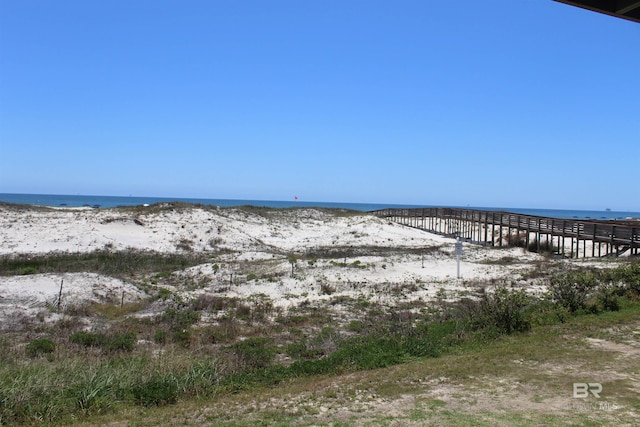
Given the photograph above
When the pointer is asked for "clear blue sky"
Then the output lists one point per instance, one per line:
(503, 103)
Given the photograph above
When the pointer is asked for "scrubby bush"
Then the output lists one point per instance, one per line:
(110, 343)
(370, 352)
(163, 294)
(355, 326)
(40, 347)
(502, 310)
(179, 319)
(572, 290)
(227, 329)
(261, 308)
(212, 302)
(302, 349)
(608, 299)
(87, 339)
(254, 353)
(160, 336)
(182, 338)
(326, 289)
(120, 342)
(185, 245)
(625, 277)
(243, 311)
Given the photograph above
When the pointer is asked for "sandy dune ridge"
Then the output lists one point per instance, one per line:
(252, 252)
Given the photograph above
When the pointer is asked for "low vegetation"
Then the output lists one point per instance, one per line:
(213, 346)
(113, 263)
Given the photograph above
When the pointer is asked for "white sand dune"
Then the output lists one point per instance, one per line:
(251, 249)
(41, 231)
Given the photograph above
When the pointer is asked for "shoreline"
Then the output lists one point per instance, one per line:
(108, 202)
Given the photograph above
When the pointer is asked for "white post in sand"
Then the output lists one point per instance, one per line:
(458, 253)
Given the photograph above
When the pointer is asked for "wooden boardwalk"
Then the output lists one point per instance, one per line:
(567, 237)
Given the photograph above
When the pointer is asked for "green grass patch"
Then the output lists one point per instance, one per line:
(472, 344)
(118, 264)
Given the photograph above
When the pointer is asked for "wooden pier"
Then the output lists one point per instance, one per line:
(566, 237)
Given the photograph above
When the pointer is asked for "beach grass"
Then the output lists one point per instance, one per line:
(503, 342)
(114, 263)
(463, 386)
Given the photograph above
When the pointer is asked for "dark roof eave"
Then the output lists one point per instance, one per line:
(624, 9)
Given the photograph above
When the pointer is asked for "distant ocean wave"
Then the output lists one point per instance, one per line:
(61, 200)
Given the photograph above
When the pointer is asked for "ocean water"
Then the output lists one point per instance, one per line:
(60, 200)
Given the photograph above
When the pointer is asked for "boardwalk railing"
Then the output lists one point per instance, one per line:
(567, 237)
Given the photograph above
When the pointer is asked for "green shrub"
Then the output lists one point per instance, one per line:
(358, 264)
(119, 263)
(420, 347)
(261, 308)
(626, 277)
(111, 343)
(180, 319)
(571, 290)
(163, 294)
(24, 271)
(355, 326)
(182, 338)
(87, 339)
(227, 329)
(302, 349)
(608, 298)
(369, 352)
(503, 310)
(160, 336)
(243, 311)
(254, 353)
(120, 342)
(631, 277)
(156, 392)
(40, 347)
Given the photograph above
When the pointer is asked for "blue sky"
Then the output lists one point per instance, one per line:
(503, 103)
